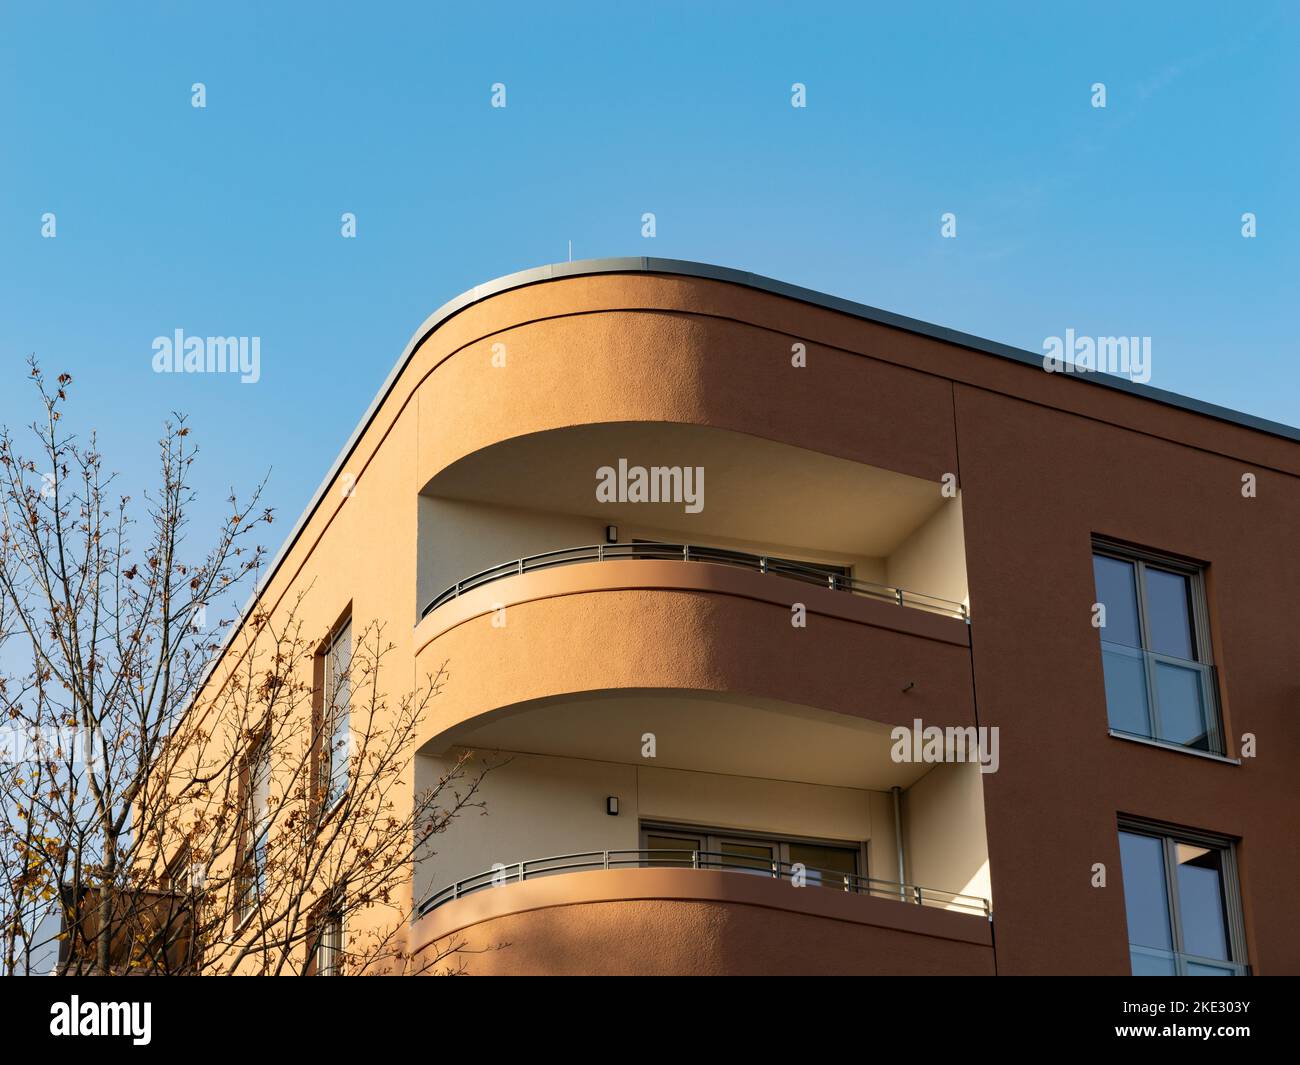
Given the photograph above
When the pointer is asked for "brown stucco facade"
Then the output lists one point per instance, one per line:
(483, 448)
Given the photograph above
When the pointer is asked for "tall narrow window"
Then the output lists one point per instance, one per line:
(255, 814)
(1155, 649)
(329, 948)
(1181, 897)
(335, 735)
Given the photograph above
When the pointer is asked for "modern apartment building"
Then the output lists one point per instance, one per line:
(707, 555)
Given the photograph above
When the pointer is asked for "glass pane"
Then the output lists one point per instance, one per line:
(1146, 899)
(1126, 690)
(1117, 591)
(825, 866)
(339, 662)
(1195, 968)
(1182, 709)
(754, 857)
(1169, 623)
(677, 849)
(1200, 901)
(1147, 963)
(336, 748)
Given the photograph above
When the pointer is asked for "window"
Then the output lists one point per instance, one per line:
(325, 940)
(255, 815)
(1155, 649)
(179, 875)
(334, 735)
(330, 949)
(825, 864)
(1182, 902)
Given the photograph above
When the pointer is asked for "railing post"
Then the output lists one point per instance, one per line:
(917, 892)
(899, 593)
(606, 865)
(695, 859)
(522, 874)
(762, 564)
(686, 552)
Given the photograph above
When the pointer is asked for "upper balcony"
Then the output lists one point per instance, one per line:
(800, 577)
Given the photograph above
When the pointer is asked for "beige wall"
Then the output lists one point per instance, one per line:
(535, 808)
(458, 539)
(538, 806)
(943, 830)
(933, 559)
(781, 807)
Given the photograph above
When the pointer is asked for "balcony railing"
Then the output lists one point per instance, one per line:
(1162, 698)
(808, 574)
(675, 859)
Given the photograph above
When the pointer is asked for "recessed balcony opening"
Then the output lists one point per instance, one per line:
(748, 786)
(698, 493)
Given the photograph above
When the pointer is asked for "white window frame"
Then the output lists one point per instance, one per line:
(1202, 645)
(714, 840)
(256, 815)
(335, 747)
(1170, 836)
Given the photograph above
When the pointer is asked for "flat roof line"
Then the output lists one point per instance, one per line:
(687, 268)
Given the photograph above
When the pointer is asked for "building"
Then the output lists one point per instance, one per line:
(696, 544)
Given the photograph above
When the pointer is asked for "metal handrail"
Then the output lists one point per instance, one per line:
(716, 860)
(766, 564)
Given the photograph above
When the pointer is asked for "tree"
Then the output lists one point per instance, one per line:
(177, 808)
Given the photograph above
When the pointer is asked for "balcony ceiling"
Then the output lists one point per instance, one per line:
(701, 733)
(754, 489)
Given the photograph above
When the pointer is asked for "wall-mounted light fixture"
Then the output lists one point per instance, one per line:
(611, 534)
(611, 805)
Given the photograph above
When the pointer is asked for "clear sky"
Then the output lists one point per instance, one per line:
(225, 220)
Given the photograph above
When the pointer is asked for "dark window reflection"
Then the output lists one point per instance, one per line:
(1169, 614)
(1117, 591)
(1146, 897)
(1200, 902)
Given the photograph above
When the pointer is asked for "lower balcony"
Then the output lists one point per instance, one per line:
(648, 912)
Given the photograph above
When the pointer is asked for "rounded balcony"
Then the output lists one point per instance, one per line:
(627, 619)
(611, 913)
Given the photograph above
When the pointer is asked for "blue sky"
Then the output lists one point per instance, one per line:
(225, 220)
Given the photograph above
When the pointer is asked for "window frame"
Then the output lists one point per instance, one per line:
(254, 826)
(712, 839)
(1202, 643)
(1169, 837)
(178, 873)
(324, 723)
(326, 932)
